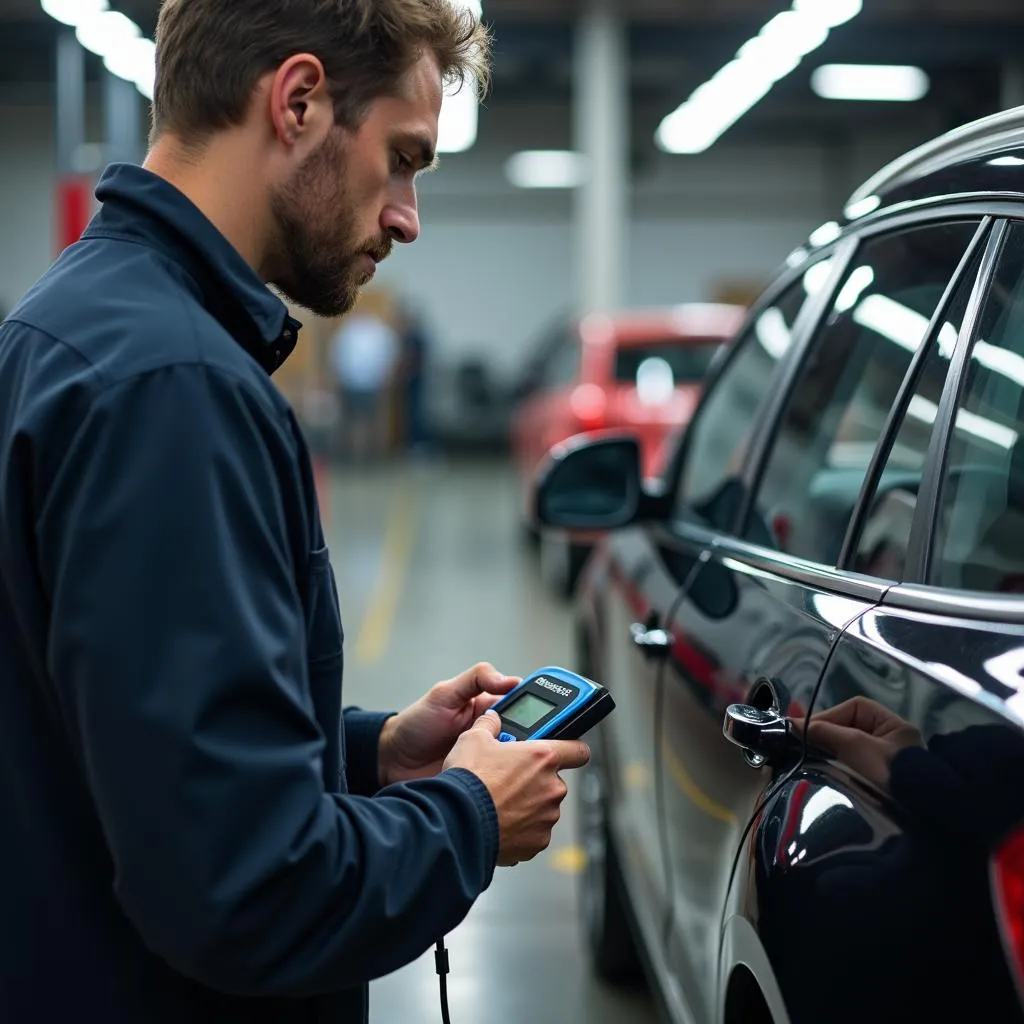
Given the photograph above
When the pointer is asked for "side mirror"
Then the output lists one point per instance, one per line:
(590, 484)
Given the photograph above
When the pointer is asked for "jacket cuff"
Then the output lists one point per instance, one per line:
(362, 743)
(484, 804)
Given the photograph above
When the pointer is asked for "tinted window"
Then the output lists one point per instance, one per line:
(717, 442)
(688, 362)
(563, 365)
(885, 536)
(980, 540)
(839, 406)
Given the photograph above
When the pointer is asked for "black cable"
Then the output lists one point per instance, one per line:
(441, 963)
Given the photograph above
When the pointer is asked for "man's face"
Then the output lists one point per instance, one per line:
(347, 203)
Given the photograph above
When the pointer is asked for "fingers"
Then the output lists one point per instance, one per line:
(837, 739)
(482, 678)
(567, 753)
(489, 722)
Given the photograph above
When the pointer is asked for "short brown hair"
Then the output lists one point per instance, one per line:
(211, 53)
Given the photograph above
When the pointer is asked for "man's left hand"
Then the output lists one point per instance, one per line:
(415, 743)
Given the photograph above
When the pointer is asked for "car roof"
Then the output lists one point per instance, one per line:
(704, 320)
(957, 163)
(980, 160)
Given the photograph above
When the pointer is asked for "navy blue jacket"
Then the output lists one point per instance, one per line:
(192, 829)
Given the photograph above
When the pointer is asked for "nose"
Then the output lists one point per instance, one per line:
(401, 220)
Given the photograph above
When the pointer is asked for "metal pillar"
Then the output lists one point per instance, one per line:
(601, 129)
(73, 199)
(122, 121)
(1013, 86)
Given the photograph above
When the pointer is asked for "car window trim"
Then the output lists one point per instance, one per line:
(897, 413)
(964, 604)
(926, 514)
(799, 570)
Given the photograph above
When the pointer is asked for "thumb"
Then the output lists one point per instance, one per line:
(490, 722)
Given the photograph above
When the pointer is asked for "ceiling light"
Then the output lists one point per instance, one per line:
(890, 83)
(457, 125)
(72, 12)
(106, 32)
(764, 60)
(862, 207)
(546, 168)
(830, 13)
(1007, 161)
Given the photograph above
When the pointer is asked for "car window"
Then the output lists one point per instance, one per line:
(884, 539)
(837, 411)
(683, 362)
(717, 443)
(563, 364)
(979, 543)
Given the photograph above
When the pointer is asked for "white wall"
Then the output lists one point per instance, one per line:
(493, 264)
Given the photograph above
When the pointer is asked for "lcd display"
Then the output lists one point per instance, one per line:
(526, 711)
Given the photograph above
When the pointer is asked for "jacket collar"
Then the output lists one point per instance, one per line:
(141, 205)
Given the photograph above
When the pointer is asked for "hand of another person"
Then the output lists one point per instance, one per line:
(862, 734)
(414, 744)
(523, 781)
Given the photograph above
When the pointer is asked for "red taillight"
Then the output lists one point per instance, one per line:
(1008, 890)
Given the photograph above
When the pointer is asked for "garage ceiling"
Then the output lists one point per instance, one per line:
(675, 45)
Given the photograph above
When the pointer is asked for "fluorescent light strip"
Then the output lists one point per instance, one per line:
(877, 82)
(546, 168)
(460, 109)
(766, 59)
(112, 36)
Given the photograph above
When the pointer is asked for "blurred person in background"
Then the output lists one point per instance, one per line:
(413, 377)
(194, 828)
(365, 352)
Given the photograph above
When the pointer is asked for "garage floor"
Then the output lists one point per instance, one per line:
(432, 579)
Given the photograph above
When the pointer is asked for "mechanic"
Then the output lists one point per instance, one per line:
(193, 830)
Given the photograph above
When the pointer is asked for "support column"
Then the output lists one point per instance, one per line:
(74, 192)
(1012, 86)
(122, 121)
(601, 127)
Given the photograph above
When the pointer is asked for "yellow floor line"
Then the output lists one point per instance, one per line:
(397, 551)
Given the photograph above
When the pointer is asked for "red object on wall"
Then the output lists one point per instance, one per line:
(74, 209)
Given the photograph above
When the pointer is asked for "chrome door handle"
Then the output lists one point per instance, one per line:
(651, 641)
(762, 735)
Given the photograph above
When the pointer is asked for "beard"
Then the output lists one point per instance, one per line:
(322, 263)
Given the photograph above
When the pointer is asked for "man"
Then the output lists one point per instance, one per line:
(364, 351)
(193, 831)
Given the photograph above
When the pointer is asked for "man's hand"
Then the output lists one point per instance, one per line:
(414, 744)
(862, 734)
(523, 781)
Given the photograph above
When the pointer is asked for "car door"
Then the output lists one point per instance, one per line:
(913, 801)
(643, 569)
(759, 620)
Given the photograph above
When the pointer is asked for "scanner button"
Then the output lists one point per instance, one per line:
(507, 737)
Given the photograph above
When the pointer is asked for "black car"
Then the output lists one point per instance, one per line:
(808, 806)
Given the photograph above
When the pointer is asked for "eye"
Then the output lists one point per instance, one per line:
(402, 162)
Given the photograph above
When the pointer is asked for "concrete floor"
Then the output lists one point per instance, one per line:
(432, 578)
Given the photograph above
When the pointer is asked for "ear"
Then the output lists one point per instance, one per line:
(301, 109)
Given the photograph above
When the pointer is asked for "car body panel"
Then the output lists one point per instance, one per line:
(745, 623)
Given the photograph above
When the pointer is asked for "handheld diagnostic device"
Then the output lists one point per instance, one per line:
(552, 704)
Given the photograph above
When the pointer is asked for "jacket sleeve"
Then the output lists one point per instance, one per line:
(362, 743)
(177, 649)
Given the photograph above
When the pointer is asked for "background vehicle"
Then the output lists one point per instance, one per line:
(639, 371)
(842, 521)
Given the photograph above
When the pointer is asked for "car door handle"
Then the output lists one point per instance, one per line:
(651, 641)
(762, 735)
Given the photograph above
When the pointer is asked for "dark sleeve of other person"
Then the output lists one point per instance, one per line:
(179, 651)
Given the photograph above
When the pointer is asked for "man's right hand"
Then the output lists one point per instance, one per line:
(523, 781)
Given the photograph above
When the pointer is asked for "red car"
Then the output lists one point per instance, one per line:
(641, 371)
